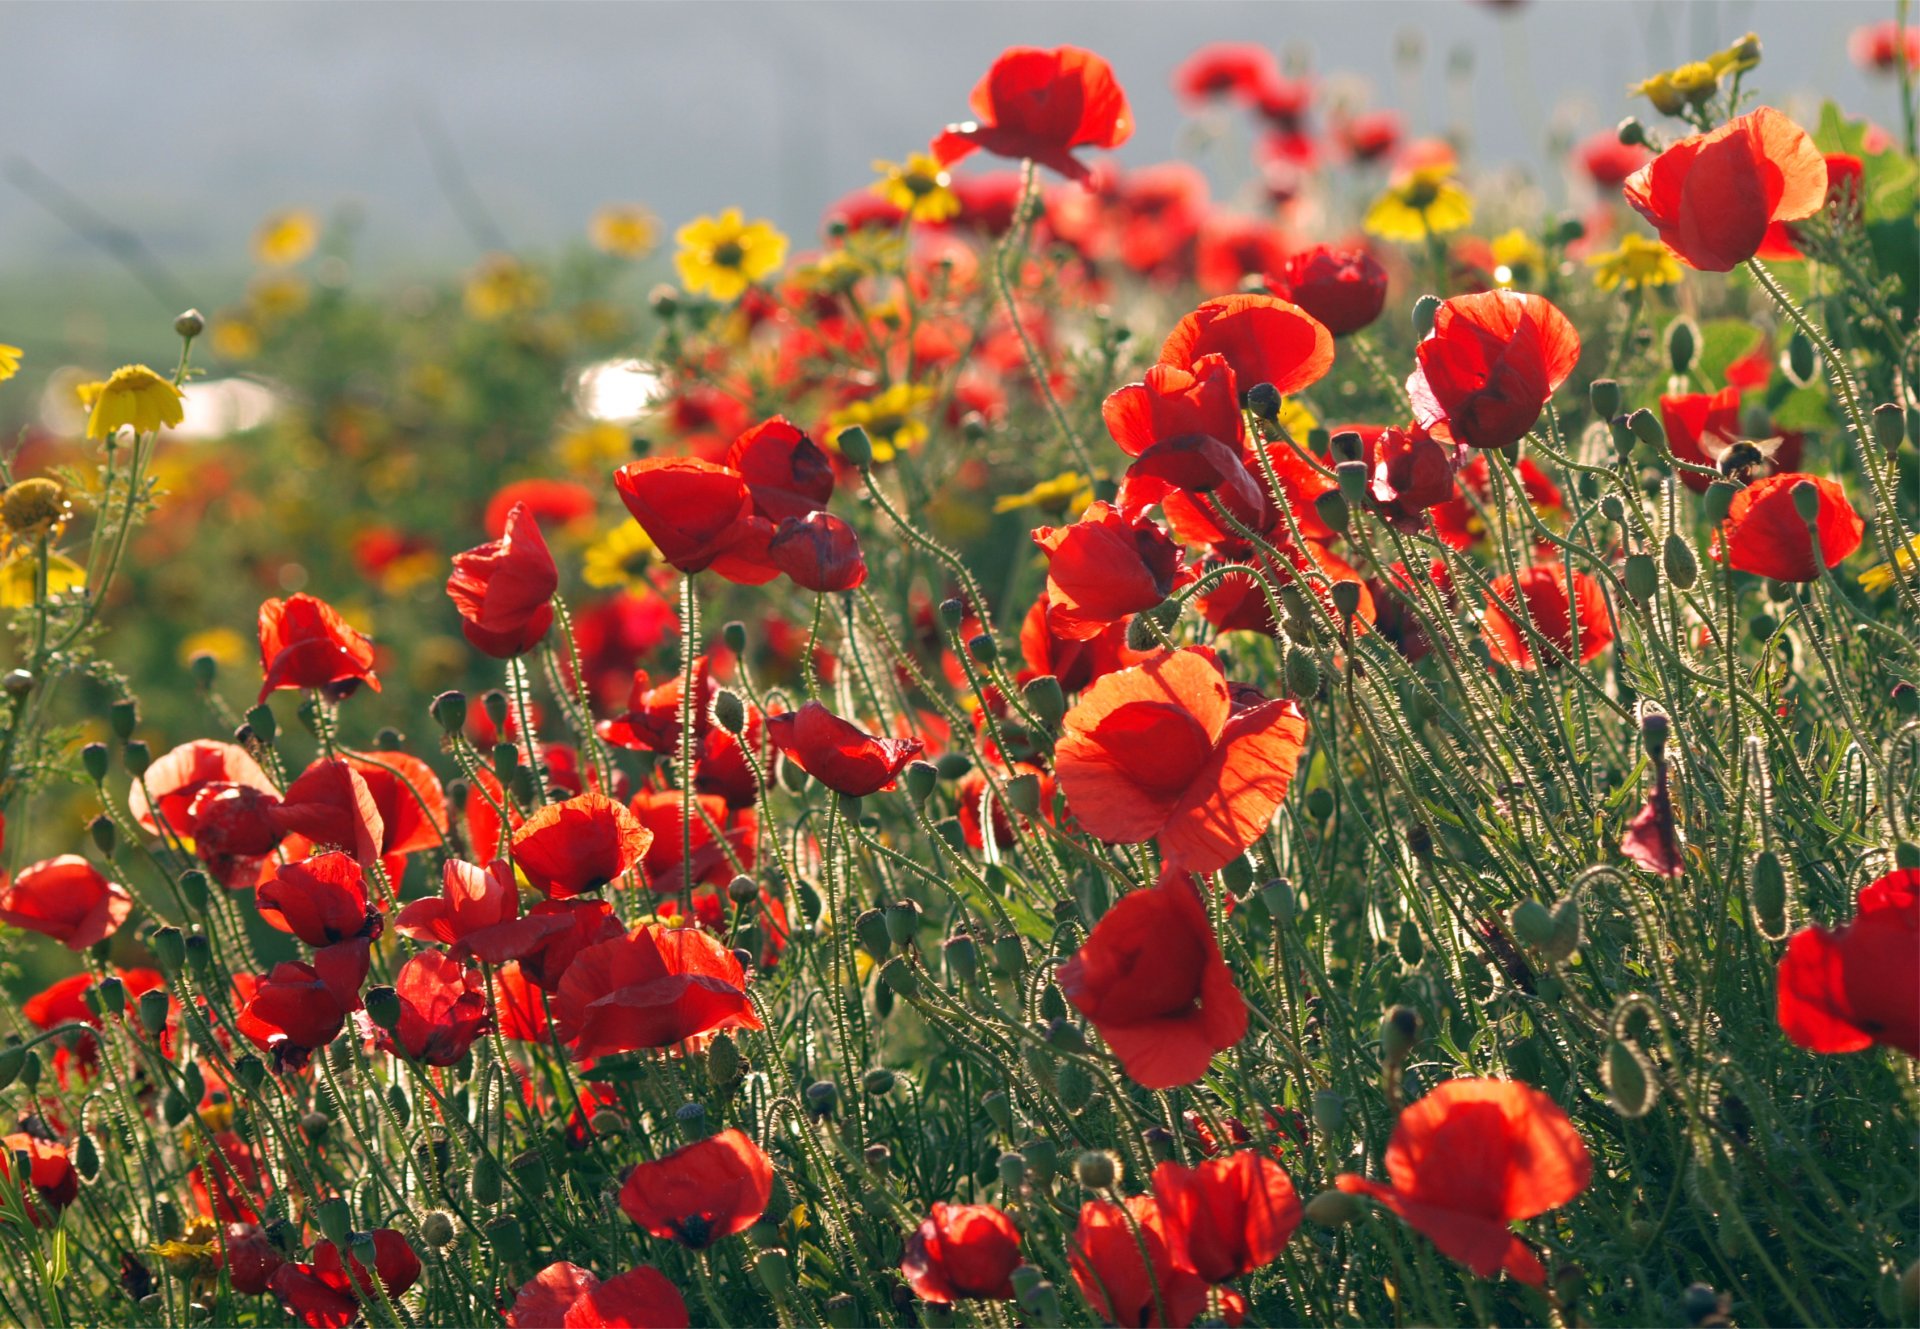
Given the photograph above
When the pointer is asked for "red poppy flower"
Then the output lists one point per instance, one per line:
(1075, 663)
(1877, 46)
(504, 589)
(1847, 988)
(1203, 488)
(699, 514)
(1553, 614)
(1228, 1216)
(64, 1002)
(381, 804)
(67, 899)
(1242, 71)
(304, 643)
(962, 1251)
(1105, 1254)
(567, 849)
(653, 988)
(252, 1260)
(49, 1171)
(1651, 840)
(555, 502)
(1700, 426)
(175, 779)
(1370, 135)
(1264, 338)
(1765, 534)
(443, 1009)
(1607, 161)
(662, 811)
(1230, 249)
(1411, 472)
(477, 913)
(1489, 366)
(1844, 176)
(292, 1011)
(786, 473)
(1712, 196)
(1345, 289)
(1041, 105)
(701, 1193)
(233, 831)
(1104, 567)
(565, 1296)
(819, 552)
(1470, 1158)
(575, 925)
(1173, 402)
(394, 1263)
(976, 800)
(228, 1183)
(321, 900)
(1151, 979)
(1167, 750)
(840, 755)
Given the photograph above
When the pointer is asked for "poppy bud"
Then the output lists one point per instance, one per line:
(1424, 311)
(1768, 885)
(1683, 344)
(122, 716)
(999, 1108)
(1352, 477)
(920, 779)
(792, 778)
(1013, 1171)
(169, 948)
(1717, 501)
(190, 324)
(194, 886)
(1346, 598)
(334, 1220)
(1533, 924)
(506, 1238)
(1332, 509)
(1067, 1036)
(204, 669)
(1048, 701)
(314, 1124)
(1682, 568)
(843, 1311)
(101, 829)
(899, 976)
(266, 728)
(903, 920)
(436, 1229)
(1320, 804)
(484, 1183)
(775, 1274)
(1329, 1111)
(1263, 399)
(12, 1059)
(871, 929)
(1159, 1142)
(308, 713)
(1641, 577)
(153, 1010)
(137, 757)
(86, 1156)
(983, 649)
(1008, 954)
(1889, 426)
(1906, 856)
(93, 760)
(822, 1095)
(399, 1104)
(1566, 929)
(1408, 943)
(383, 1006)
(962, 957)
(1096, 1170)
(1628, 1079)
(729, 712)
(1801, 361)
(855, 446)
(174, 1107)
(1806, 501)
(1023, 794)
(1647, 428)
(250, 1071)
(449, 711)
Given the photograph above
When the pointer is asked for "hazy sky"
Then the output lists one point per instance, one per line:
(188, 122)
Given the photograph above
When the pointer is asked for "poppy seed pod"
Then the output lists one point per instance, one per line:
(383, 1006)
(1647, 428)
(1263, 399)
(94, 758)
(153, 1010)
(729, 712)
(509, 1242)
(1717, 502)
(1604, 394)
(921, 776)
(871, 930)
(1683, 569)
(1331, 508)
(1889, 426)
(449, 711)
(266, 728)
(855, 445)
(962, 955)
(1048, 700)
(169, 948)
(103, 833)
(1352, 477)
(900, 977)
(1683, 344)
(137, 757)
(903, 920)
(437, 1229)
(1096, 1170)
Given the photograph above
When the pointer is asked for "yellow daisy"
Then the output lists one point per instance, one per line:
(895, 419)
(276, 296)
(235, 337)
(1428, 201)
(1517, 258)
(224, 644)
(134, 396)
(9, 361)
(918, 187)
(500, 285)
(722, 256)
(594, 449)
(1067, 493)
(17, 576)
(285, 238)
(624, 230)
(618, 559)
(1880, 577)
(1637, 263)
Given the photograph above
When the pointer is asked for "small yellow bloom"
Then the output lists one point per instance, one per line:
(500, 285)
(595, 449)
(35, 507)
(17, 578)
(195, 1252)
(235, 337)
(1739, 57)
(1428, 201)
(1637, 263)
(1660, 91)
(1880, 577)
(226, 646)
(619, 559)
(918, 187)
(1067, 493)
(285, 238)
(9, 361)
(624, 230)
(134, 396)
(1296, 419)
(276, 296)
(1517, 257)
(895, 419)
(722, 256)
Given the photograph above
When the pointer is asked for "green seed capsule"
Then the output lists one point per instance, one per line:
(1629, 1080)
(1682, 568)
(485, 1181)
(1768, 884)
(1802, 360)
(1642, 578)
(1074, 1085)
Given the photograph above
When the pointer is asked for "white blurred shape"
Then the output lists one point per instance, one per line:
(615, 390)
(217, 407)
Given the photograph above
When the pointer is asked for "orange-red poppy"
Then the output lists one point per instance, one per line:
(1126, 1267)
(1489, 365)
(564, 1294)
(702, 1192)
(1712, 196)
(65, 898)
(571, 848)
(304, 643)
(656, 987)
(1552, 612)
(1844, 989)
(1264, 338)
(1041, 105)
(962, 1252)
(1227, 1216)
(504, 588)
(1104, 567)
(1765, 534)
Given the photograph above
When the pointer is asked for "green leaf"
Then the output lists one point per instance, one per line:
(1722, 342)
(1803, 410)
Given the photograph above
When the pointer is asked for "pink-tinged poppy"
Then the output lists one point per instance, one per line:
(1845, 989)
(653, 988)
(1345, 289)
(1472, 1157)
(702, 1192)
(1489, 366)
(291, 1012)
(1712, 196)
(1264, 338)
(1607, 161)
(1075, 663)
(962, 1252)
(304, 643)
(443, 1009)
(477, 913)
(1765, 534)
(504, 589)
(1151, 979)
(1167, 750)
(1041, 105)
(65, 898)
(1126, 1268)
(172, 782)
(819, 552)
(1173, 402)
(321, 900)
(1227, 1216)
(1104, 567)
(49, 1172)
(571, 848)
(699, 515)
(565, 1296)
(840, 755)
(1553, 613)
(1240, 71)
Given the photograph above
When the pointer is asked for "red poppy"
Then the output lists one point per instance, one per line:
(567, 849)
(1104, 567)
(1345, 289)
(1370, 135)
(1844, 177)
(1173, 402)
(319, 1300)
(565, 1296)
(1607, 161)
(477, 913)
(1877, 46)
(976, 799)
(1242, 71)
(653, 988)
(1700, 428)
(64, 1002)
(1470, 1158)
(1168, 750)
(1264, 338)
(699, 514)
(960, 1252)
(228, 1182)
(1847, 988)
(1106, 1253)
(819, 552)
(1203, 488)
(1651, 840)
(65, 898)
(785, 472)
(49, 1171)
(1552, 613)
(252, 1260)
(556, 502)
(1489, 366)
(575, 925)
(1151, 979)
(1228, 1216)
(292, 1011)
(175, 779)
(1230, 248)
(840, 755)
(382, 804)
(443, 1009)
(504, 589)
(304, 643)
(1075, 663)
(662, 811)
(1411, 471)
(394, 1263)
(1712, 196)
(321, 900)
(1041, 105)
(233, 831)
(1765, 534)
(701, 1193)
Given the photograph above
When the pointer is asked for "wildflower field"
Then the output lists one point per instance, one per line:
(1081, 747)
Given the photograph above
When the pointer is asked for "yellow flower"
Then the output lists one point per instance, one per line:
(624, 230)
(1296, 419)
(9, 361)
(235, 337)
(1517, 256)
(620, 558)
(1427, 202)
(500, 285)
(722, 256)
(17, 576)
(35, 507)
(1880, 577)
(226, 646)
(894, 419)
(1066, 493)
(135, 396)
(1739, 57)
(286, 237)
(595, 449)
(1637, 263)
(918, 187)
(276, 296)
(195, 1252)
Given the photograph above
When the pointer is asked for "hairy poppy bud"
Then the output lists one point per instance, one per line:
(1647, 428)
(1332, 509)
(12, 1059)
(871, 929)
(729, 712)
(1096, 1170)
(1067, 1036)
(169, 948)
(1802, 362)
(822, 1096)
(770, 1266)
(1566, 929)
(137, 757)
(1628, 1078)
(1013, 1171)
(1263, 399)
(1424, 311)
(1048, 701)
(1329, 1111)
(1683, 344)
(1009, 956)
(962, 955)
(1683, 569)
(1889, 426)
(383, 1006)
(1333, 1208)
(505, 1236)
(1717, 501)
(1641, 577)
(1320, 803)
(855, 446)
(484, 1183)
(103, 833)
(1806, 501)
(153, 1010)
(723, 1059)
(998, 1107)
(334, 1220)
(437, 1229)
(1768, 886)
(1533, 924)
(733, 634)
(903, 920)
(899, 976)
(449, 711)
(1023, 794)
